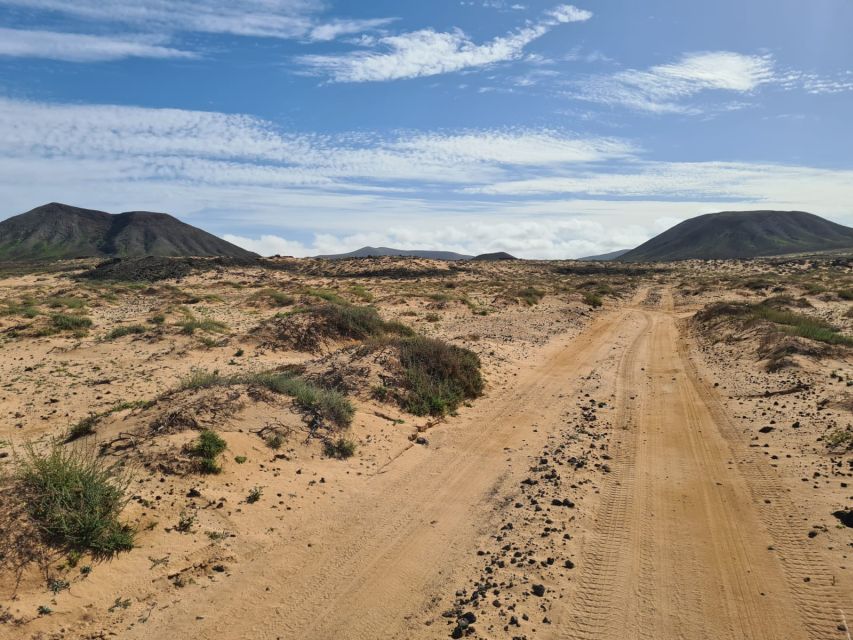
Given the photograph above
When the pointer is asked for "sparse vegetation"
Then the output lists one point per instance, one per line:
(275, 297)
(326, 404)
(340, 448)
(840, 439)
(192, 324)
(75, 499)
(592, 299)
(125, 330)
(83, 428)
(530, 295)
(69, 322)
(438, 376)
(207, 449)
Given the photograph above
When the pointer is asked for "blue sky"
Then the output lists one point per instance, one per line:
(544, 129)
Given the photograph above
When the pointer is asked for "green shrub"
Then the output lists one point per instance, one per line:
(845, 294)
(357, 323)
(207, 448)
(341, 448)
(592, 299)
(438, 376)
(126, 330)
(76, 499)
(840, 439)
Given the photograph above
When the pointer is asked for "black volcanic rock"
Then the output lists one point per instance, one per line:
(494, 257)
(743, 235)
(59, 230)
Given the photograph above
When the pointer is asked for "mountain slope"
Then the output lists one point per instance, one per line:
(374, 252)
(61, 231)
(743, 234)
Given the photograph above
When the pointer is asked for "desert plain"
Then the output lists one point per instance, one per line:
(406, 448)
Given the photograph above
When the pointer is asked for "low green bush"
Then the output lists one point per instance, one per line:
(438, 376)
(76, 499)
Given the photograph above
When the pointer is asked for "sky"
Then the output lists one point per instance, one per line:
(548, 130)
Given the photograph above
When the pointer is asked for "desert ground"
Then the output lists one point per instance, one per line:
(405, 448)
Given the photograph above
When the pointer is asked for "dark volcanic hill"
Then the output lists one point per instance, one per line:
(743, 234)
(494, 257)
(61, 231)
(375, 252)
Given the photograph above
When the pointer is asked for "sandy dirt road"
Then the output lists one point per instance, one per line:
(690, 538)
(693, 537)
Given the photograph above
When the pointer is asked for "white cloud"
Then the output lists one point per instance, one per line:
(533, 192)
(76, 47)
(269, 245)
(336, 28)
(664, 88)
(259, 18)
(428, 52)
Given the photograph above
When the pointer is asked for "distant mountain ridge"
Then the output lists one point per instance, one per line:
(56, 230)
(604, 257)
(743, 235)
(376, 252)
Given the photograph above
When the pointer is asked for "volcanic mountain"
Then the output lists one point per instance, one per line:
(61, 231)
(743, 234)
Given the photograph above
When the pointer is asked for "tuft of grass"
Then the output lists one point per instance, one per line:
(275, 297)
(67, 302)
(207, 449)
(69, 322)
(438, 376)
(845, 294)
(126, 330)
(254, 495)
(76, 499)
(327, 404)
(193, 324)
(324, 294)
(85, 427)
(201, 379)
(340, 448)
